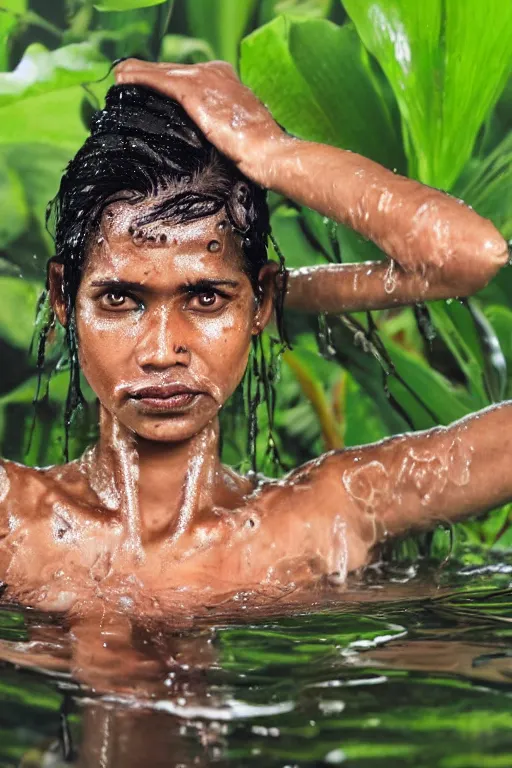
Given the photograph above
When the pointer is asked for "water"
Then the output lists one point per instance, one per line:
(400, 671)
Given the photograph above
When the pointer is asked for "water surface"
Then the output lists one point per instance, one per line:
(399, 671)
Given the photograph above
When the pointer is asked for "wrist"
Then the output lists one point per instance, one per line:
(265, 166)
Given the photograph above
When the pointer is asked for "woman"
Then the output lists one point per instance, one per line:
(161, 281)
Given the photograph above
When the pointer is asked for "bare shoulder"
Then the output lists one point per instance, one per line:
(314, 496)
(28, 491)
(21, 486)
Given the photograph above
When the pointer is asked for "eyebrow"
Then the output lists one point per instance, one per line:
(202, 284)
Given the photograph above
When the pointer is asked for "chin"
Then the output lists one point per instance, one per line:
(168, 430)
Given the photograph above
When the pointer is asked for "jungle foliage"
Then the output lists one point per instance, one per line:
(424, 88)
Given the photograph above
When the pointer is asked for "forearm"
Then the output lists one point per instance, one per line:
(425, 231)
(355, 287)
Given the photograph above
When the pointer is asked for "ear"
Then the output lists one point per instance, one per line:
(56, 289)
(267, 283)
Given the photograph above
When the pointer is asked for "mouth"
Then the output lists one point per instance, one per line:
(170, 397)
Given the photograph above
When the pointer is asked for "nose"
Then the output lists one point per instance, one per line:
(163, 343)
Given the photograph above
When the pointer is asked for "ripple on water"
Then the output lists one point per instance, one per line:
(397, 674)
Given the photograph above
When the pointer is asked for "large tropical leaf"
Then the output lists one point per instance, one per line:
(363, 422)
(40, 101)
(186, 50)
(40, 129)
(13, 204)
(311, 8)
(17, 310)
(501, 320)
(458, 330)
(221, 24)
(41, 71)
(447, 62)
(487, 186)
(10, 12)
(423, 396)
(315, 78)
(38, 167)
(132, 33)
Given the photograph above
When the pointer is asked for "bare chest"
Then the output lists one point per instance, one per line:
(66, 557)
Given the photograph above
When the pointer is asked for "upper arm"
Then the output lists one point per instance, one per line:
(445, 474)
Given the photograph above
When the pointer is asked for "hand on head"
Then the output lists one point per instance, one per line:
(228, 113)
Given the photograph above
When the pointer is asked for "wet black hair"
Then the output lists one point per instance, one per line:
(144, 147)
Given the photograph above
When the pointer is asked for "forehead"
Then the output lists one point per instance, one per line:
(157, 251)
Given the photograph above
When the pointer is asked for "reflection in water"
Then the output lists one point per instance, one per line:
(367, 681)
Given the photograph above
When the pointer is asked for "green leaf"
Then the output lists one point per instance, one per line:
(18, 298)
(456, 327)
(40, 102)
(24, 394)
(39, 168)
(311, 8)
(297, 250)
(487, 186)
(221, 24)
(18, 126)
(366, 371)
(501, 320)
(447, 62)
(41, 71)
(129, 33)
(316, 80)
(424, 395)
(186, 50)
(10, 12)
(363, 423)
(13, 205)
(125, 5)
(435, 400)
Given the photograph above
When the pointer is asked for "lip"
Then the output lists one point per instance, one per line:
(162, 391)
(165, 397)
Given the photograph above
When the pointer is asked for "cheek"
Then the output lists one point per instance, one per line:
(225, 346)
(227, 336)
(101, 350)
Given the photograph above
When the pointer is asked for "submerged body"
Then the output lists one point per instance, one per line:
(149, 519)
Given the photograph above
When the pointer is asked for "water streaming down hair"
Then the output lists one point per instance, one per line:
(144, 147)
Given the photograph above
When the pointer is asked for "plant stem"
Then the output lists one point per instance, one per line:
(81, 21)
(35, 20)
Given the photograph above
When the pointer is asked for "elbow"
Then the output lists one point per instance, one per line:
(483, 257)
(494, 250)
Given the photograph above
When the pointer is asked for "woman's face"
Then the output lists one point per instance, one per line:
(165, 318)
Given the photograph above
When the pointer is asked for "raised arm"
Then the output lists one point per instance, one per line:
(437, 246)
(415, 481)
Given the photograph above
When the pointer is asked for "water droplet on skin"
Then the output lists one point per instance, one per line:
(5, 484)
(390, 279)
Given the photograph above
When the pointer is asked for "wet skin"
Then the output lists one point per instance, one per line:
(149, 520)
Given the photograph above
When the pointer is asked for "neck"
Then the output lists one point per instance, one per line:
(159, 488)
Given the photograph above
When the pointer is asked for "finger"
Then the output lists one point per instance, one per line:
(128, 65)
(173, 65)
(164, 84)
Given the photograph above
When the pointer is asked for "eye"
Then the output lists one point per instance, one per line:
(208, 300)
(118, 301)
